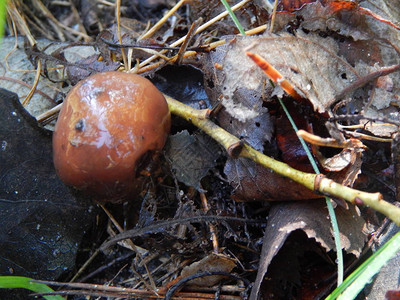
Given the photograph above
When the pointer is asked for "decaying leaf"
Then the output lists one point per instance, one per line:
(363, 37)
(341, 160)
(347, 18)
(191, 157)
(11, 80)
(238, 86)
(337, 16)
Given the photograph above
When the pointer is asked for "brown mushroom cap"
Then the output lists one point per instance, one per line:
(106, 124)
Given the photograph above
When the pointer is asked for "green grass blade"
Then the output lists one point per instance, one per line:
(233, 16)
(332, 215)
(14, 282)
(303, 143)
(336, 235)
(357, 280)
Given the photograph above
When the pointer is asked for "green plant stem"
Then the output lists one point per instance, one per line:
(331, 210)
(3, 9)
(338, 245)
(314, 182)
(199, 119)
(306, 179)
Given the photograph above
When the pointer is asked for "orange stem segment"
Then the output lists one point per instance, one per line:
(274, 75)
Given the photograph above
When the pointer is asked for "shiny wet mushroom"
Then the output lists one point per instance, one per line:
(107, 124)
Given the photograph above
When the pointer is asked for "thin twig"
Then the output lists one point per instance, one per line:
(118, 16)
(85, 265)
(362, 82)
(329, 142)
(161, 226)
(28, 86)
(189, 36)
(212, 229)
(48, 116)
(271, 27)
(51, 18)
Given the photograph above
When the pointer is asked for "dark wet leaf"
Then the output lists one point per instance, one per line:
(300, 268)
(41, 222)
(392, 295)
(287, 140)
(184, 83)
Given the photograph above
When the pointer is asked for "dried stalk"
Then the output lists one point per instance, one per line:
(28, 98)
(200, 29)
(114, 291)
(118, 16)
(53, 20)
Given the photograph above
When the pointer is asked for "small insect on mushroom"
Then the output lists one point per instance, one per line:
(107, 123)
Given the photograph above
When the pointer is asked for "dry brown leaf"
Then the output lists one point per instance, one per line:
(312, 218)
(309, 62)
